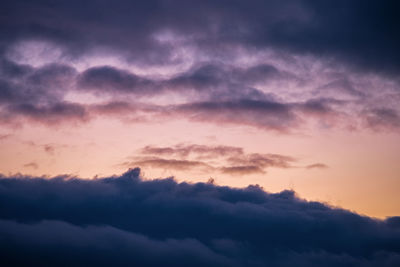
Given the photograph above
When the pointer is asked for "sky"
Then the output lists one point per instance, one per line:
(289, 105)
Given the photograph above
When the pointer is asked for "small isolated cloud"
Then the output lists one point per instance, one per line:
(32, 165)
(124, 221)
(50, 149)
(317, 166)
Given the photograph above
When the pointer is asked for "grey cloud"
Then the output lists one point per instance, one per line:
(38, 93)
(263, 114)
(49, 114)
(204, 81)
(114, 81)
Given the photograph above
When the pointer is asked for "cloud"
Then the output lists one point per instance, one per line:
(264, 114)
(382, 118)
(43, 91)
(201, 151)
(300, 27)
(32, 165)
(272, 115)
(50, 149)
(59, 240)
(42, 96)
(342, 86)
(242, 170)
(259, 64)
(219, 81)
(4, 136)
(49, 114)
(114, 81)
(124, 220)
(11, 69)
(202, 81)
(25, 84)
(262, 160)
(173, 164)
(37, 94)
(317, 166)
(211, 159)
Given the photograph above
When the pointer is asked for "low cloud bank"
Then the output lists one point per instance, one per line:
(124, 221)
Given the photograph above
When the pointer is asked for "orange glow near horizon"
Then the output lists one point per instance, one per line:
(362, 174)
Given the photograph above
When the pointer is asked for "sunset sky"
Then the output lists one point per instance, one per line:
(286, 95)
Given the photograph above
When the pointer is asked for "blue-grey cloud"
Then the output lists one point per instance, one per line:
(124, 220)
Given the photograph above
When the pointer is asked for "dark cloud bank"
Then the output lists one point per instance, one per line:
(126, 221)
(360, 33)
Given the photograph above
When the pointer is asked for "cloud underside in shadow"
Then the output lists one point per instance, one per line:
(124, 220)
(39, 95)
(212, 95)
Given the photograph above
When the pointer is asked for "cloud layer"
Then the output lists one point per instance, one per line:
(124, 220)
(271, 65)
(365, 36)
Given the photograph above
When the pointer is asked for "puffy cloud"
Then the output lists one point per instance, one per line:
(124, 220)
